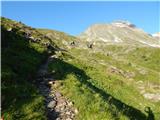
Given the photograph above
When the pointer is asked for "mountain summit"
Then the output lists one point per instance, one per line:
(119, 32)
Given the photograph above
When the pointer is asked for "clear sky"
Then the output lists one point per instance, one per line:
(75, 17)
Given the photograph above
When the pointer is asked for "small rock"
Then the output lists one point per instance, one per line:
(51, 82)
(51, 104)
(52, 56)
(152, 96)
(68, 113)
(70, 103)
(72, 115)
(62, 108)
(76, 111)
(61, 101)
(58, 94)
(9, 29)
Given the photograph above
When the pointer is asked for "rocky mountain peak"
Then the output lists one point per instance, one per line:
(118, 32)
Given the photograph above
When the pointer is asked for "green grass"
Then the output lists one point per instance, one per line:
(90, 85)
(20, 61)
(84, 76)
(89, 103)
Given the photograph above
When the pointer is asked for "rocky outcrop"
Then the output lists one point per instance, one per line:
(121, 72)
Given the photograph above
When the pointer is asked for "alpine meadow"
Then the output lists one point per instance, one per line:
(110, 71)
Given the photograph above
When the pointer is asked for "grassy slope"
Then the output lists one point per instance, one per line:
(84, 77)
(20, 61)
(101, 94)
(60, 38)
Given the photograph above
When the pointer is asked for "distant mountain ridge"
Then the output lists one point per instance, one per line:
(119, 32)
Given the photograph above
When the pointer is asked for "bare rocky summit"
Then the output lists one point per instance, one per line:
(118, 32)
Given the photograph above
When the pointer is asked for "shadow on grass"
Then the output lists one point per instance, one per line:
(19, 65)
(64, 68)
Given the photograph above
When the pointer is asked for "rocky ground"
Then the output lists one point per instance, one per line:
(153, 94)
(57, 106)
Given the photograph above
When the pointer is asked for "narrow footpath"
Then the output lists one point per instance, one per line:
(57, 106)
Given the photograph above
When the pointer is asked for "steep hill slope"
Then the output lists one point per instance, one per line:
(104, 78)
(23, 50)
(101, 84)
(111, 80)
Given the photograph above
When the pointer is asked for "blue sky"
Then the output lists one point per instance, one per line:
(75, 17)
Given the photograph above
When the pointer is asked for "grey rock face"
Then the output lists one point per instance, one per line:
(118, 33)
(51, 104)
